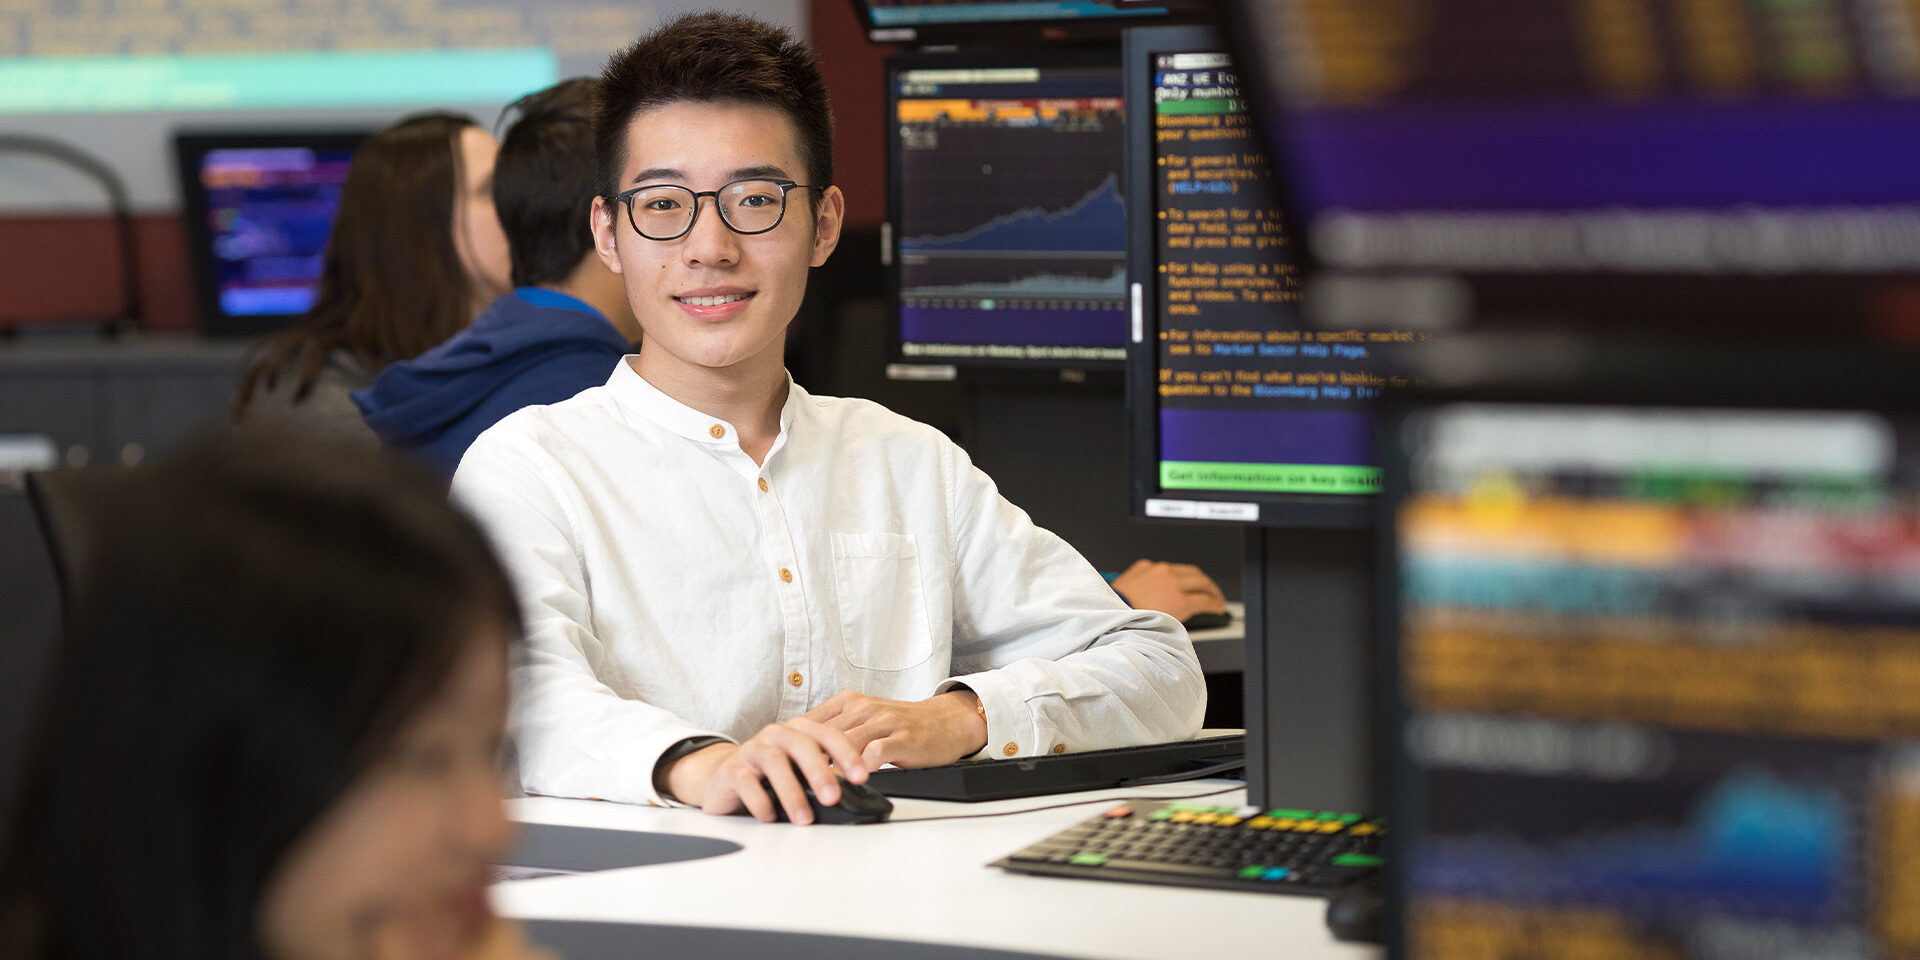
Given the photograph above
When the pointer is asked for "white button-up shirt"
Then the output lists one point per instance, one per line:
(673, 588)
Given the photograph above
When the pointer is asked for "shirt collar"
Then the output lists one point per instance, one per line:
(543, 297)
(643, 399)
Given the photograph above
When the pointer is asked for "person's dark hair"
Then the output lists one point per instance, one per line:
(391, 283)
(543, 182)
(715, 57)
(262, 620)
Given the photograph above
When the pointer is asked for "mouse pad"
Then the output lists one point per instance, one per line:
(546, 848)
(578, 940)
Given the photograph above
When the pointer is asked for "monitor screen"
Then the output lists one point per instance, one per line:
(1654, 672)
(1240, 410)
(1507, 163)
(259, 208)
(1007, 228)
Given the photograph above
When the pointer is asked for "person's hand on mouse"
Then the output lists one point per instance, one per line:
(725, 778)
(1180, 589)
(907, 733)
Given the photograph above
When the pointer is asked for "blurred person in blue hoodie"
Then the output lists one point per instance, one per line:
(562, 330)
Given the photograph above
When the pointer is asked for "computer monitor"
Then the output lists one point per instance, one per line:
(1006, 239)
(1706, 171)
(1653, 641)
(1240, 411)
(1240, 414)
(258, 207)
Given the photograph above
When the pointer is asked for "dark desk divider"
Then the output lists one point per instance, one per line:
(633, 941)
(550, 847)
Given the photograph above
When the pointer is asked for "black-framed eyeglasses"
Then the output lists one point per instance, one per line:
(666, 211)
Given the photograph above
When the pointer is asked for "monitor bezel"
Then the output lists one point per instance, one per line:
(1041, 28)
(1311, 510)
(190, 147)
(1592, 372)
(1080, 372)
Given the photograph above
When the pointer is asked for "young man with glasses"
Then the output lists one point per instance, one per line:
(728, 579)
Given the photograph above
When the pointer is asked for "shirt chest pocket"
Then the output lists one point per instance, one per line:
(883, 608)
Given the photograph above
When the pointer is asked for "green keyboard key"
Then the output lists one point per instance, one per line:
(1356, 860)
(1088, 859)
(1251, 873)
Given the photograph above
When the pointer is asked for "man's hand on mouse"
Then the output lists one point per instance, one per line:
(725, 777)
(907, 733)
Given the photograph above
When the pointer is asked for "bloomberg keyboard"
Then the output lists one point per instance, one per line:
(1197, 845)
(975, 780)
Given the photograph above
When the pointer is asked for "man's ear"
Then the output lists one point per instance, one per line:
(827, 221)
(601, 220)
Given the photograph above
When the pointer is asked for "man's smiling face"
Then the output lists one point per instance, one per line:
(714, 299)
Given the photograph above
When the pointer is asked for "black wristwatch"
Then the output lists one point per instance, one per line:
(673, 755)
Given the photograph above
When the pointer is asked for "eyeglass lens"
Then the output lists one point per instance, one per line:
(666, 212)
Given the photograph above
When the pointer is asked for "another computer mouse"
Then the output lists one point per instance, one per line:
(1358, 911)
(859, 803)
(1207, 621)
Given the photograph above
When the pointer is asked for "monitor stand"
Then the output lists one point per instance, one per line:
(1310, 596)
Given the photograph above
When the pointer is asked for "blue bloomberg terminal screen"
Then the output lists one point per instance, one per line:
(270, 211)
(1748, 165)
(1249, 400)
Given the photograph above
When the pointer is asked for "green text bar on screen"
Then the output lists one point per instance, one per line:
(350, 78)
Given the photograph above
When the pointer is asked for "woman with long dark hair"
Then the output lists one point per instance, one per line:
(275, 726)
(415, 254)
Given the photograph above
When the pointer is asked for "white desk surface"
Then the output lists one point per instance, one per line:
(924, 882)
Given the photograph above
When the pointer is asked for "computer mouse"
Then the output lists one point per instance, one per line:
(1207, 621)
(859, 803)
(1358, 911)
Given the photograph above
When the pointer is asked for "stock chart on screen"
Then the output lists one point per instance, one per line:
(1008, 220)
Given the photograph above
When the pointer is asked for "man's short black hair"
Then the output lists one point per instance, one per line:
(715, 57)
(543, 182)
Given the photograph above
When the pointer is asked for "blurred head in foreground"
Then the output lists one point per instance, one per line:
(275, 726)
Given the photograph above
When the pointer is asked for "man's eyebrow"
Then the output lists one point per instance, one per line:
(673, 175)
(764, 170)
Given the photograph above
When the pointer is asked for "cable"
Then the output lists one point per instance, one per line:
(1198, 773)
(117, 204)
(1061, 806)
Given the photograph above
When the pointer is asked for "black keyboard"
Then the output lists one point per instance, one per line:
(973, 780)
(1196, 845)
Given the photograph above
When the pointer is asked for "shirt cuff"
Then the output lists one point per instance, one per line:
(1010, 731)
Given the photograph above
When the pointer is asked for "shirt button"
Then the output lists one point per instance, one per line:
(717, 431)
(1059, 748)
(786, 576)
(795, 678)
(763, 484)
(1010, 749)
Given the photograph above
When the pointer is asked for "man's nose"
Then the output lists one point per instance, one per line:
(710, 240)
